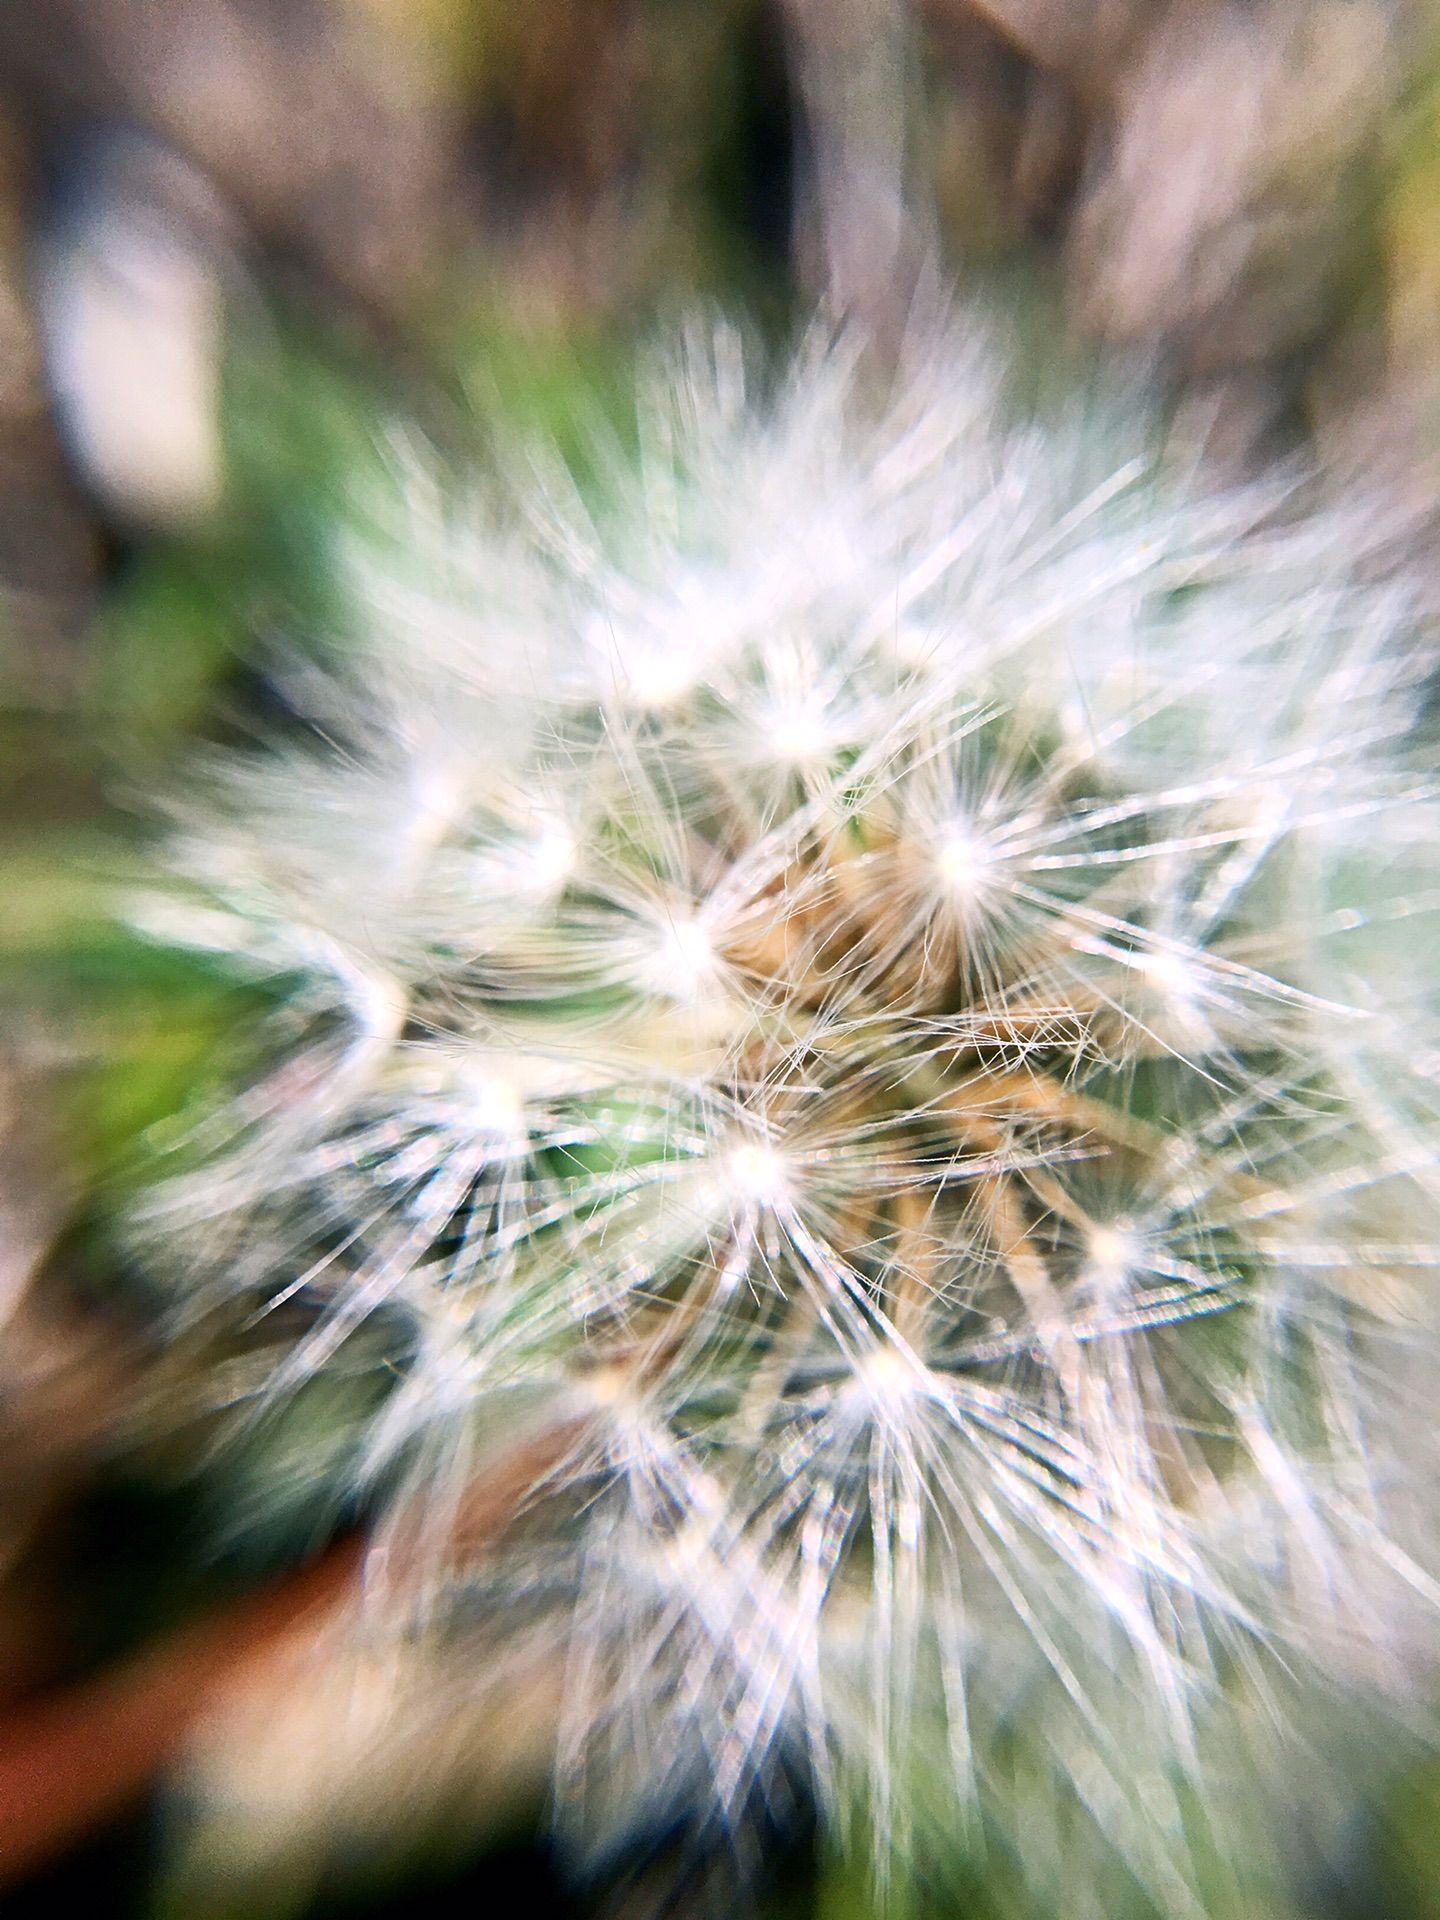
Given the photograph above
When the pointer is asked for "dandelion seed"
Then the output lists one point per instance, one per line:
(496, 1109)
(545, 858)
(684, 963)
(1113, 1253)
(888, 1379)
(962, 864)
(758, 1174)
(798, 736)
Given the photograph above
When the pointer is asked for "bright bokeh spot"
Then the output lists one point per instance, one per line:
(683, 963)
(757, 1173)
(963, 864)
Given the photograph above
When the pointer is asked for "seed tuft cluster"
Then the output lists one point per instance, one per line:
(855, 979)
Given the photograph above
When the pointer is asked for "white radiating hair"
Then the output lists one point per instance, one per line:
(857, 977)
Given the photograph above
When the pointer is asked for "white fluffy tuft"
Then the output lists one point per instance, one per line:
(869, 974)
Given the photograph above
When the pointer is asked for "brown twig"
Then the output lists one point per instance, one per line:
(72, 1758)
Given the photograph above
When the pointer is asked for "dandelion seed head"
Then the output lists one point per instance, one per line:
(839, 960)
